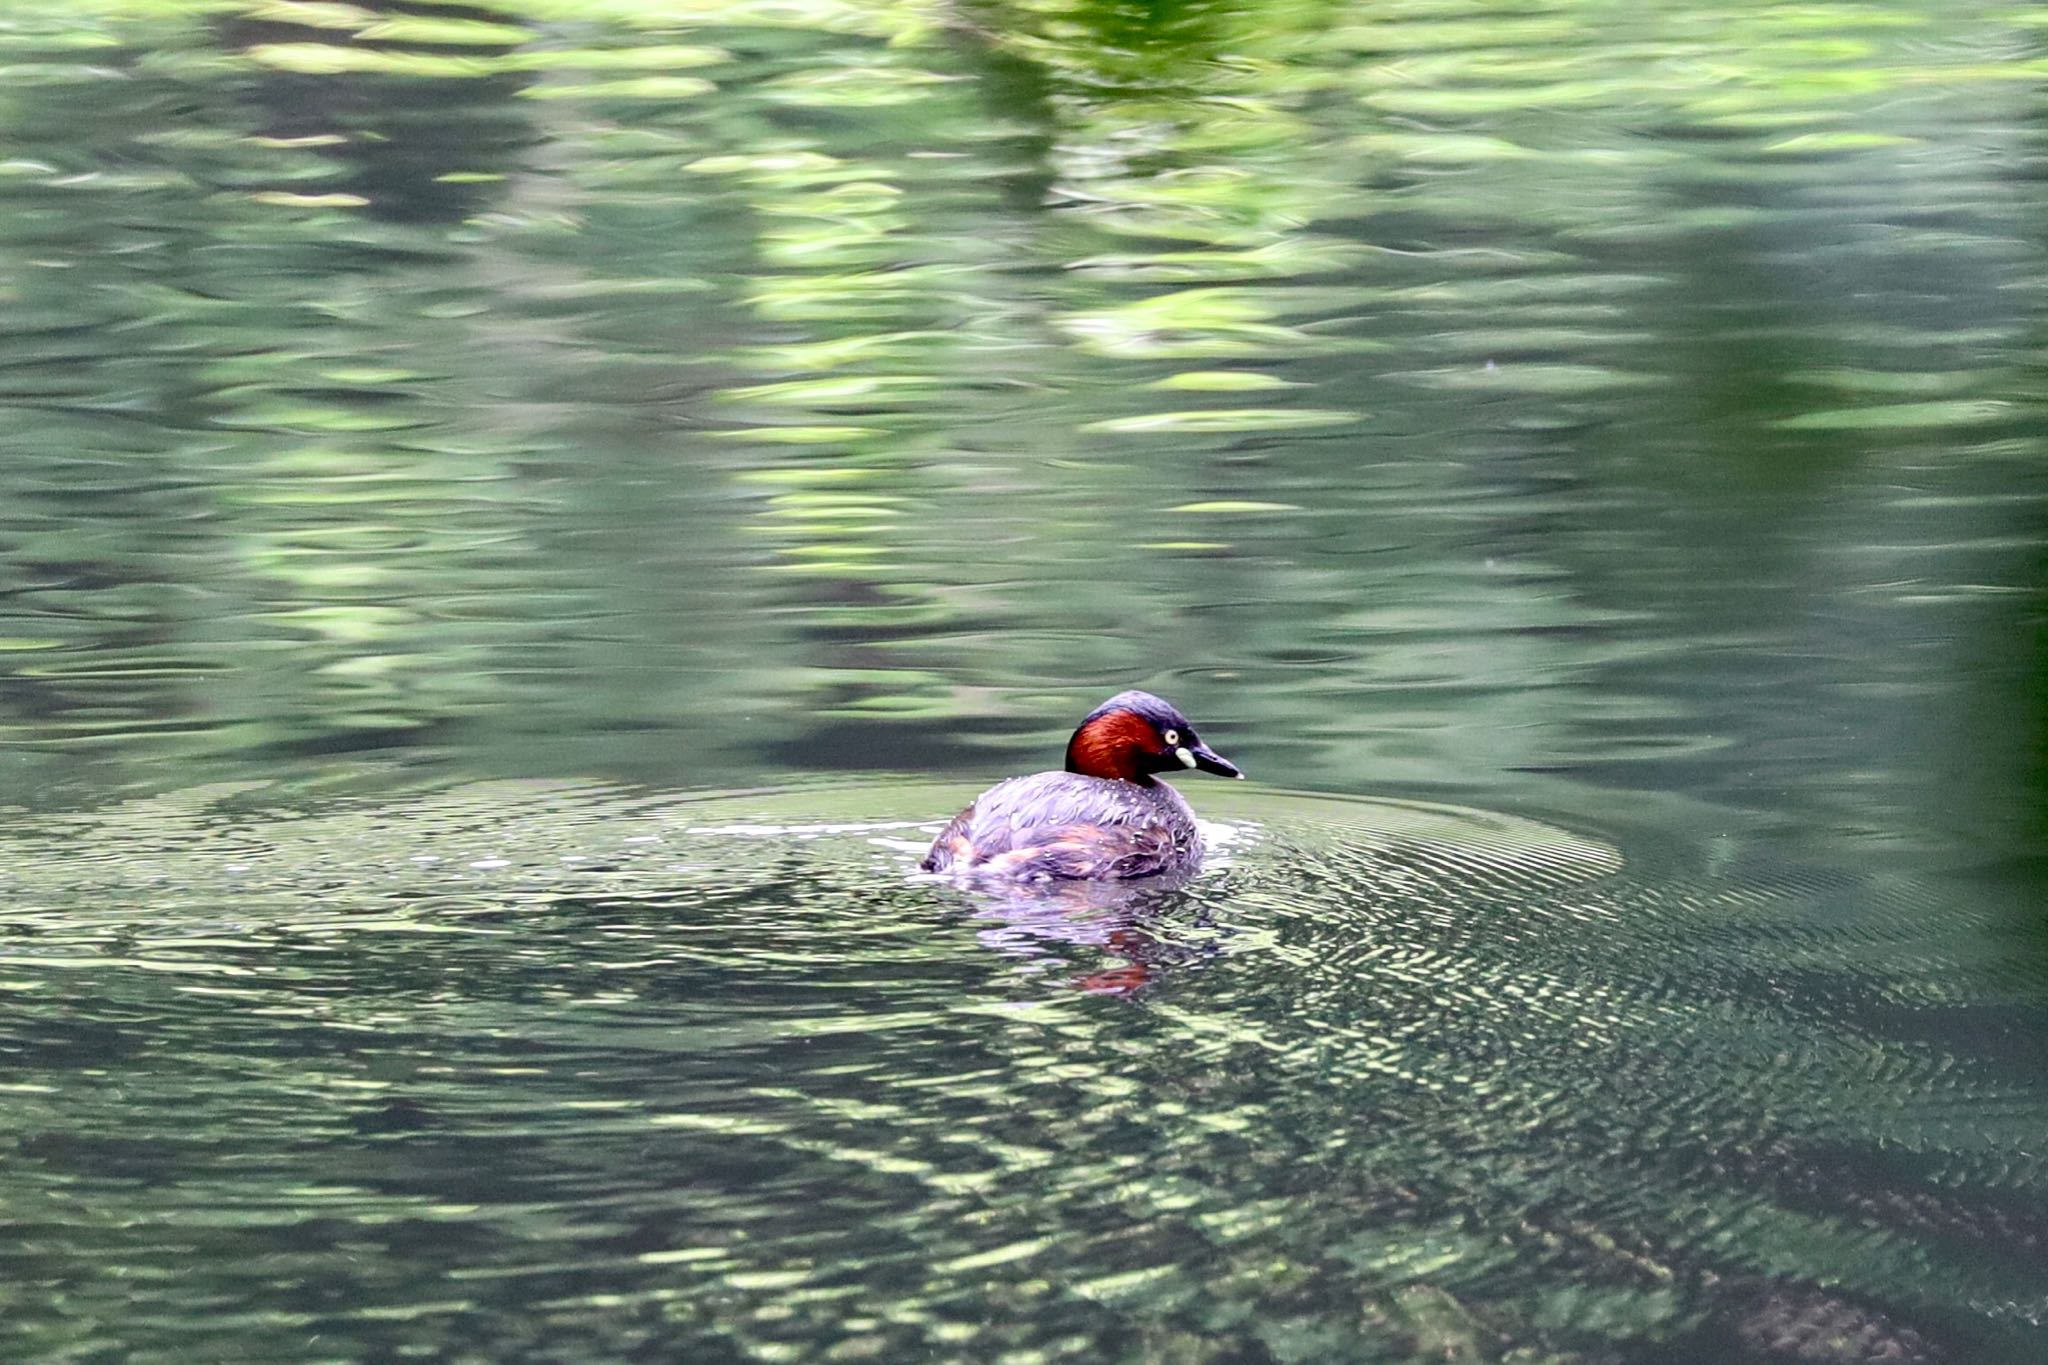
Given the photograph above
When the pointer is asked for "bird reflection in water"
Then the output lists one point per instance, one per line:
(1147, 930)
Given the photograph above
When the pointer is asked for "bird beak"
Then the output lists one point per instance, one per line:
(1209, 761)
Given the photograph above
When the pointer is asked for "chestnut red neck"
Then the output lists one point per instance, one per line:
(1114, 745)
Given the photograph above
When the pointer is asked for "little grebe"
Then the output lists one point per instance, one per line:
(1104, 817)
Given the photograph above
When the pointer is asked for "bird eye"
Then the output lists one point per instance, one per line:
(1171, 736)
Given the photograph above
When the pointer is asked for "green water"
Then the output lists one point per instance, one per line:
(517, 523)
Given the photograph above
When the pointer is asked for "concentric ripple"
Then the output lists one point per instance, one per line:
(581, 1072)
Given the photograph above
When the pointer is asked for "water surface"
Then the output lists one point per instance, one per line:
(516, 523)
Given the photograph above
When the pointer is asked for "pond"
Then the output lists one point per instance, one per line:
(519, 523)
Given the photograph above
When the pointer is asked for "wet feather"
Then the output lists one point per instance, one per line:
(1067, 825)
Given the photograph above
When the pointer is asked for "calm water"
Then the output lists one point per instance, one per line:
(516, 523)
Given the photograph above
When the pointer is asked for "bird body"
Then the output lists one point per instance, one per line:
(1106, 817)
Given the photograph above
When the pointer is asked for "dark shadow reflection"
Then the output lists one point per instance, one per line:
(419, 147)
(1123, 938)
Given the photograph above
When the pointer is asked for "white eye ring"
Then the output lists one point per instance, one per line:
(1172, 737)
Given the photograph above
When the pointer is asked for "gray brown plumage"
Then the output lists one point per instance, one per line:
(1105, 817)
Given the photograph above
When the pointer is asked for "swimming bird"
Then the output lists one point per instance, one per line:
(1106, 817)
